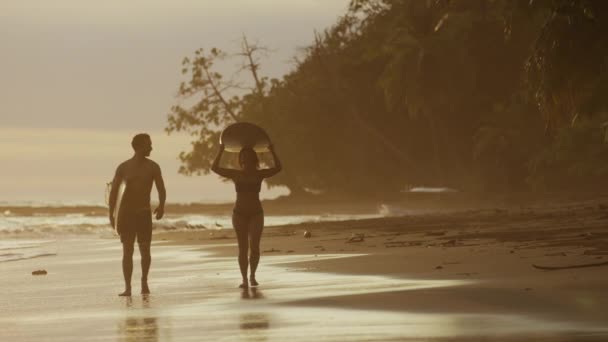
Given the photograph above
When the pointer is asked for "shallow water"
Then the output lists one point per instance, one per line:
(194, 298)
(20, 249)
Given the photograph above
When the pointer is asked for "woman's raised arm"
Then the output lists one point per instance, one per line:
(215, 167)
(277, 165)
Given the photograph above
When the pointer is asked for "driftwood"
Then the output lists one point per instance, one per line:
(356, 237)
(390, 244)
(554, 268)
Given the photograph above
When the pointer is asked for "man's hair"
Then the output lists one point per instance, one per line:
(139, 140)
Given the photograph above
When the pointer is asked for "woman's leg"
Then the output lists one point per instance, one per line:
(240, 224)
(256, 226)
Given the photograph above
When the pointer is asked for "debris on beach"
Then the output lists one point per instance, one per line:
(356, 237)
(556, 254)
(555, 268)
(435, 233)
(272, 250)
(290, 251)
(468, 274)
(307, 234)
(39, 272)
(195, 226)
(595, 252)
(221, 237)
(439, 267)
(451, 243)
(390, 244)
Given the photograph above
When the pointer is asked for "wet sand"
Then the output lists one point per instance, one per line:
(460, 276)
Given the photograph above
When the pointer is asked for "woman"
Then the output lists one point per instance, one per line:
(248, 216)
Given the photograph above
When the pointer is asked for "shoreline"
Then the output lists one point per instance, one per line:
(448, 276)
(495, 250)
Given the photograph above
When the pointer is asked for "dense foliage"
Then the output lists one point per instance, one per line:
(479, 95)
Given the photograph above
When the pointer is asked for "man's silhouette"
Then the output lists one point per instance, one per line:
(135, 216)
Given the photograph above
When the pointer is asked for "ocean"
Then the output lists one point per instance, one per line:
(33, 235)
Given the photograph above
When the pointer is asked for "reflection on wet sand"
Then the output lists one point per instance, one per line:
(255, 321)
(138, 328)
(254, 325)
(196, 300)
(252, 293)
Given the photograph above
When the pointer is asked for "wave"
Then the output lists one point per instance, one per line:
(45, 225)
(23, 249)
(51, 204)
(18, 257)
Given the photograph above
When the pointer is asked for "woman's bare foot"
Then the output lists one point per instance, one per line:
(145, 289)
(244, 284)
(127, 293)
(253, 282)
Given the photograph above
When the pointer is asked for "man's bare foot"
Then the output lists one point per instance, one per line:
(244, 284)
(253, 282)
(145, 289)
(127, 293)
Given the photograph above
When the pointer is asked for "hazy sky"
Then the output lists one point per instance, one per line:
(80, 77)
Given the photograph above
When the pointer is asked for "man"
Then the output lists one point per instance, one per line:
(134, 215)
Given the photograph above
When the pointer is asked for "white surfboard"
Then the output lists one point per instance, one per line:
(244, 134)
(121, 191)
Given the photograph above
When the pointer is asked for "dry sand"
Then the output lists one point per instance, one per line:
(464, 276)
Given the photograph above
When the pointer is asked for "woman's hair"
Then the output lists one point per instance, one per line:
(248, 153)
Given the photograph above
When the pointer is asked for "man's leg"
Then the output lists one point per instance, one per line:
(146, 260)
(127, 265)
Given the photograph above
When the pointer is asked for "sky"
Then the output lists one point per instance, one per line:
(79, 78)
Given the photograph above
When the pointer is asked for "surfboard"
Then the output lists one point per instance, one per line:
(244, 134)
(121, 191)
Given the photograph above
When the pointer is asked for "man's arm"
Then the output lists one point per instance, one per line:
(162, 193)
(114, 193)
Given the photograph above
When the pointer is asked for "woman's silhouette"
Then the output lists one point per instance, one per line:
(248, 215)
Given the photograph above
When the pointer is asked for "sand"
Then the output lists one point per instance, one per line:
(462, 276)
